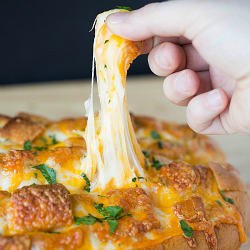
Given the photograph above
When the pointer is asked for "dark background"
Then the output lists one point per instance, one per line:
(50, 40)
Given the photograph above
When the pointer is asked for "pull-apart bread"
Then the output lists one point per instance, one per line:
(115, 180)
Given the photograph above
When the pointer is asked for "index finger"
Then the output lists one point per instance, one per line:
(169, 19)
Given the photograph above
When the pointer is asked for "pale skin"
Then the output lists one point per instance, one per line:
(203, 49)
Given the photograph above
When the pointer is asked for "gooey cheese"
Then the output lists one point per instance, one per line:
(114, 156)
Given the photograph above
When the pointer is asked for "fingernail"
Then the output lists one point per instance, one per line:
(162, 58)
(118, 17)
(180, 82)
(214, 99)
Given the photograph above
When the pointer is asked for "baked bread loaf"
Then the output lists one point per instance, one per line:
(114, 180)
(186, 175)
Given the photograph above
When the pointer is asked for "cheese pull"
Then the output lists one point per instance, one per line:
(114, 156)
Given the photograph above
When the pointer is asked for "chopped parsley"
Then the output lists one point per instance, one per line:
(156, 164)
(155, 135)
(219, 202)
(145, 153)
(34, 153)
(87, 220)
(109, 101)
(33, 184)
(52, 232)
(111, 215)
(219, 173)
(102, 196)
(48, 173)
(87, 185)
(146, 164)
(188, 231)
(159, 144)
(40, 148)
(142, 178)
(7, 139)
(162, 182)
(27, 146)
(106, 41)
(124, 8)
(53, 139)
(225, 198)
(105, 66)
(68, 191)
(35, 174)
(44, 140)
(134, 179)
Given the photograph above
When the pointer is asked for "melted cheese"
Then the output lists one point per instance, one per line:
(114, 156)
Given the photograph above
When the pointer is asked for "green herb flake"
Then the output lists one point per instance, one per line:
(162, 182)
(124, 8)
(134, 179)
(27, 146)
(112, 225)
(105, 66)
(68, 191)
(136, 185)
(106, 41)
(33, 184)
(7, 139)
(109, 101)
(155, 135)
(52, 232)
(87, 185)
(44, 140)
(219, 173)
(40, 148)
(225, 198)
(188, 231)
(146, 163)
(53, 139)
(34, 153)
(35, 174)
(102, 196)
(156, 164)
(219, 202)
(48, 173)
(114, 211)
(142, 178)
(159, 144)
(101, 210)
(110, 213)
(145, 153)
(87, 220)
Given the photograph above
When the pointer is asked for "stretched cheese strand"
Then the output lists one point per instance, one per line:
(113, 155)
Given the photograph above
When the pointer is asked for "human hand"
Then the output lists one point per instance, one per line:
(203, 49)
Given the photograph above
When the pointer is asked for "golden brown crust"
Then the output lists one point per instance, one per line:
(33, 118)
(227, 177)
(3, 120)
(191, 209)
(40, 208)
(227, 239)
(21, 130)
(242, 204)
(16, 242)
(180, 175)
